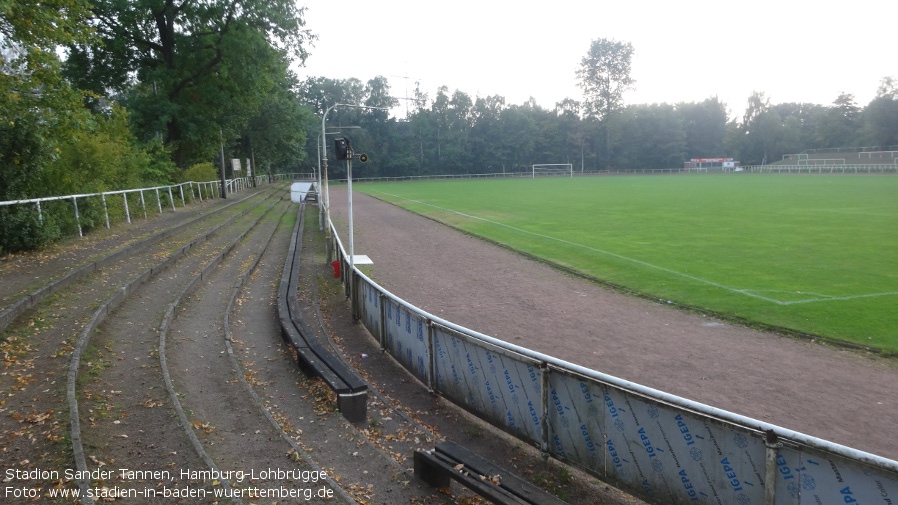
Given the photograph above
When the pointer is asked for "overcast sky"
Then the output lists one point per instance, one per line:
(685, 51)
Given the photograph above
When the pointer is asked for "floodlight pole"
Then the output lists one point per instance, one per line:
(349, 187)
(351, 242)
(320, 192)
(318, 178)
(323, 174)
(323, 137)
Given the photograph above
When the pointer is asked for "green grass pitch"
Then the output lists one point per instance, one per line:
(815, 254)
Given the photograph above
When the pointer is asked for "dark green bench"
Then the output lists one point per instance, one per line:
(314, 357)
(449, 460)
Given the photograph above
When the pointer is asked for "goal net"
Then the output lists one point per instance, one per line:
(553, 169)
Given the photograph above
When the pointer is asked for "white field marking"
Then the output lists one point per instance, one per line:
(840, 298)
(747, 292)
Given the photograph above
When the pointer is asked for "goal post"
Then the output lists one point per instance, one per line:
(553, 169)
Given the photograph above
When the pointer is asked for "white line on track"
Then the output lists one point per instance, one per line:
(746, 292)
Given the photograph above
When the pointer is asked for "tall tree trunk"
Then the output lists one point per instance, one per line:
(607, 148)
(174, 139)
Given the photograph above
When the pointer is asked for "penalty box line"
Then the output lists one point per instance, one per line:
(746, 292)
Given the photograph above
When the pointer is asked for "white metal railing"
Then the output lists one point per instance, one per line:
(851, 149)
(880, 168)
(879, 154)
(822, 161)
(196, 190)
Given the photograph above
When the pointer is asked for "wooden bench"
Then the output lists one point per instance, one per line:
(317, 361)
(449, 460)
(312, 356)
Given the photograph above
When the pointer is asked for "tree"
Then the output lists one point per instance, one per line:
(880, 117)
(657, 125)
(704, 124)
(758, 130)
(808, 118)
(839, 127)
(26, 25)
(377, 94)
(519, 136)
(320, 93)
(485, 134)
(275, 137)
(37, 109)
(439, 111)
(49, 143)
(604, 76)
(571, 130)
(36, 103)
(178, 55)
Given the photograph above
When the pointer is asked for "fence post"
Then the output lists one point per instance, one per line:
(345, 277)
(40, 214)
(127, 211)
(354, 295)
(544, 424)
(143, 204)
(383, 320)
(432, 362)
(770, 468)
(171, 199)
(105, 209)
(77, 217)
(158, 200)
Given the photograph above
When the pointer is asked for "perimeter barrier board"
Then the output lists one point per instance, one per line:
(663, 452)
(500, 386)
(576, 424)
(806, 475)
(369, 310)
(405, 337)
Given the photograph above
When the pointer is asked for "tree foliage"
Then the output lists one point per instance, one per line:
(191, 70)
(604, 77)
(880, 118)
(450, 132)
(143, 82)
(36, 104)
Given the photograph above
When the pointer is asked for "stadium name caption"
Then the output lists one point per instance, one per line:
(38, 474)
(127, 474)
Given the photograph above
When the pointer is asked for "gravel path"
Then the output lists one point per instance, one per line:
(843, 396)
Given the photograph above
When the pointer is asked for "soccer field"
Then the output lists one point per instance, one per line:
(815, 254)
